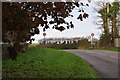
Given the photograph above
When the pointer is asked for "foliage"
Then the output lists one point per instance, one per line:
(103, 12)
(112, 16)
(105, 40)
(113, 49)
(33, 44)
(114, 10)
(21, 19)
(58, 46)
(47, 63)
(81, 44)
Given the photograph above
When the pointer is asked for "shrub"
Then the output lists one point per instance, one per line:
(84, 43)
(105, 40)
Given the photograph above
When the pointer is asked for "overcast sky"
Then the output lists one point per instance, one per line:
(81, 28)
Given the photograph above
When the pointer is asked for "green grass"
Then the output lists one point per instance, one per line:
(111, 49)
(47, 63)
(33, 44)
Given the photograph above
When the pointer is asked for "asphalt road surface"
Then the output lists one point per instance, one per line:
(103, 61)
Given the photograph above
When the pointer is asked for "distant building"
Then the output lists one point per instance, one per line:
(60, 40)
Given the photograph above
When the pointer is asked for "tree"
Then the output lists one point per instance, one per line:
(105, 37)
(111, 14)
(105, 40)
(21, 19)
(113, 17)
(103, 16)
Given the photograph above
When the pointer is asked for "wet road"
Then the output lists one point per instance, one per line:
(103, 61)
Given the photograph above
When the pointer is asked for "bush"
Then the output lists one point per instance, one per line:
(82, 44)
(105, 40)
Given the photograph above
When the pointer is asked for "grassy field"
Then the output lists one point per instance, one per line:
(33, 44)
(111, 49)
(47, 63)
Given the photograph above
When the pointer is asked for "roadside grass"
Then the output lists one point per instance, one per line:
(33, 44)
(111, 49)
(47, 63)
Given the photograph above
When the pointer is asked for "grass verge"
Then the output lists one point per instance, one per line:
(47, 63)
(33, 44)
(110, 49)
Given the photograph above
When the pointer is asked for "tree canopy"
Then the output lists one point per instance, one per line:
(109, 12)
(21, 19)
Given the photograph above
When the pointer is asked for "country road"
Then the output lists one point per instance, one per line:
(103, 61)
